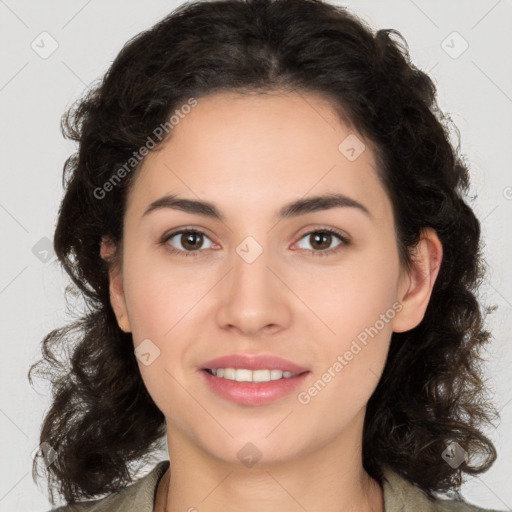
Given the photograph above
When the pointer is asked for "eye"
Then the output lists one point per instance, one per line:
(190, 241)
(322, 239)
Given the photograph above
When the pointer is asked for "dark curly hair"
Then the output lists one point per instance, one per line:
(102, 419)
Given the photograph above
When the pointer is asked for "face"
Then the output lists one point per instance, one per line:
(254, 282)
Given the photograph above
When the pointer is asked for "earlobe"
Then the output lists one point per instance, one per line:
(117, 299)
(426, 263)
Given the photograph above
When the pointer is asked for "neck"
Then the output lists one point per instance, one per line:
(331, 479)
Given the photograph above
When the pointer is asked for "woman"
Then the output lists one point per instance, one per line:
(225, 150)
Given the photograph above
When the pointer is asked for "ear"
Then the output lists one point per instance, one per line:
(117, 299)
(416, 287)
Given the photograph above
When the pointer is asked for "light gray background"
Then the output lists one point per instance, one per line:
(475, 89)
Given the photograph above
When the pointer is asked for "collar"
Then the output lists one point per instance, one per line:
(400, 495)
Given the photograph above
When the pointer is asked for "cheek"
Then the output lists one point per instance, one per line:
(358, 304)
(353, 295)
(158, 295)
(163, 304)
(351, 360)
(157, 304)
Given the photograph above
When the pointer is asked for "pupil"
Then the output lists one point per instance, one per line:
(189, 237)
(325, 236)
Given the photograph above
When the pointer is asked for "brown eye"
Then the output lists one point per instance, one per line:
(185, 242)
(321, 241)
(191, 241)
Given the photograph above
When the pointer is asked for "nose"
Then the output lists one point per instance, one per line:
(254, 299)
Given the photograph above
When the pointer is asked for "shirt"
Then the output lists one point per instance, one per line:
(399, 496)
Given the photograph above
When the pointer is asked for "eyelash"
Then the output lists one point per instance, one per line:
(326, 252)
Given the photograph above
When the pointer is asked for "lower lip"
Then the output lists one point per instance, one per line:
(253, 393)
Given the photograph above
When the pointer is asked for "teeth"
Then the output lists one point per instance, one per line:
(244, 375)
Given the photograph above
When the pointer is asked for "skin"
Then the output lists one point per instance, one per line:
(249, 155)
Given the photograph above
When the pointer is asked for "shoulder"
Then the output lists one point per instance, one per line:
(138, 497)
(400, 495)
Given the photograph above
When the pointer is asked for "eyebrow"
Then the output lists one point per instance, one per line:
(293, 209)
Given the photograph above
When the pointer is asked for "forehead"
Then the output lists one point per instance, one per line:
(254, 150)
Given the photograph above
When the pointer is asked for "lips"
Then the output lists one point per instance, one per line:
(253, 393)
(253, 362)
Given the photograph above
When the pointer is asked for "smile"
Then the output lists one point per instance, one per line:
(245, 375)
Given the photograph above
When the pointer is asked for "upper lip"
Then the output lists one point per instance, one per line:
(253, 362)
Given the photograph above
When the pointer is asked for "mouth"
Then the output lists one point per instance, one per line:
(252, 379)
(252, 392)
